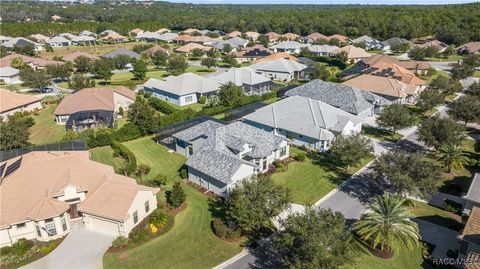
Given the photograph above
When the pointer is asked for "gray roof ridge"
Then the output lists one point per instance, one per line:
(321, 113)
(312, 112)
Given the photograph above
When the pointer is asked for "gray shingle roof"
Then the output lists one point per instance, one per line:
(167, 36)
(473, 193)
(183, 84)
(240, 76)
(122, 51)
(8, 71)
(304, 116)
(394, 41)
(289, 45)
(217, 159)
(279, 65)
(58, 39)
(203, 129)
(347, 98)
(322, 48)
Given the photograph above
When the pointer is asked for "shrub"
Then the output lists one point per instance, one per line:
(119, 242)
(280, 166)
(219, 228)
(202, 100)
(127, 155)
(183, 173)
(301, 156)
(21, 247)
(408, 203)
(452, 206)
(139, 235)
(127, 132)
(48, 248)
(5, 251)
(159, 180)
(158, 218)
(161, 106)
(143, 170)
(176, 196)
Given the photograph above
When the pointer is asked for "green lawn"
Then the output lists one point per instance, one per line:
(436, 215)
(196, 107)
(46, 130)
(156, 156)
(312, 179)
(451, 58)
(380, 134)
(105, 155)
(476, 74)
(404, 259)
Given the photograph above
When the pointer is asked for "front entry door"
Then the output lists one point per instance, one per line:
(74, 212)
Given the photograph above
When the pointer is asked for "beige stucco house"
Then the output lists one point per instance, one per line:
(39, 202)
(12, 102)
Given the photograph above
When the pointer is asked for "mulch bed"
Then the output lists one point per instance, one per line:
(173, 211)
(272, 169)
(381, 254)
(201, 189)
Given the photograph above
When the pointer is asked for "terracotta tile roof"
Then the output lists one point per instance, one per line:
(473, 261)
(234, 34)
(156, 49)
(381, 85)
(7, 60)
(39, 37)
(113, 36)
(202, 39)
(136, 31)
(433, 43)
(395, 71)
(471, 47)
(471, 231)
(253, 35)
(29, 192)
(74, 55)
(277, 56)
(341, 38)
(382, 58)
(191, 46)
(316, 36)
(290, 36)
(272, 36)
(163, 30)
(190, 31)
(10, 100)
(183, 38)
(353, 52)
(91, 99)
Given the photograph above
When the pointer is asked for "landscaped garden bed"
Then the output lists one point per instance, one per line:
(26, 251)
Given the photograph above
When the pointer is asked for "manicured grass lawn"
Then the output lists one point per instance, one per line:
(312, 179)
(380, 134)
(157, 157)
(436, 215)
(404, 259)
(451, 58)
(476, 74)
(195, 107)
(189, 244)
(105, 155)
(46, 130)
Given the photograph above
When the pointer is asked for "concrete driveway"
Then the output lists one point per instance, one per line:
(82, 249)
(443, 238)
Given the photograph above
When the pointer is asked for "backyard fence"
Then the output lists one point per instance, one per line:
(74, 145)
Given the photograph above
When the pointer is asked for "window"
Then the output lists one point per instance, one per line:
(64, 224)
(39, 233)
(147, 207)
(264, 164)
(135, 217)
(283, 151)
(50, 226)
(20, 225)
(190, 150)
(189, 99)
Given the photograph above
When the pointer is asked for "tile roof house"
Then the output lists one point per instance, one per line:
(368, 42)
(290, 36)
(148, 36)
(433, 43)
(394, 41)
(12, 102)
(234, 34)
(272, 36)
(203, 40)
(39, 202)
(469, 240)
(83, 40)
(9, 75)
(354, 54)
(4, 39)
(276, 56)
(470, 47)
(387, 87)
(280, 69)
(59, 41)
(305, 122)
(135, 32)
(222, 155)
(314, 37)
(350, 99)
(121, 52)
(235, 43)
(151, 51)
(108, 32)
(418, 67)
(290, 47)
(190, 31)
(322, 50)
(162, 31)
(188, 48)
(79, 109)
(343, 39)
(74, 55)
(252, 35)
(35, 63)
(472, 198)
(182, 90)
(251, 53)
(395, 71)
(114, 38)
(245, 77)
(39, 38)
(87, 33)
(167, 37)
(21, 41)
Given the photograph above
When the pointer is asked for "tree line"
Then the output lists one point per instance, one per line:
(452, 24)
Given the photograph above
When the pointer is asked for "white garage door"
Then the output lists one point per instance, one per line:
(103, 226)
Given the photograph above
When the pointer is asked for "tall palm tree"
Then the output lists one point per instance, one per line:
(452, 156)
(388, 225)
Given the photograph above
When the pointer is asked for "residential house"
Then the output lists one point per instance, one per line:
(235, 43)
(87, 33)
(470, 47)
(9, 75)
(4, 39)
(276, 56)
(163, 31)
(280, 69)
(39, 38)
(190, 31)
(272, 36)
(108, 32)
(341, 38)
(397, 72)
(290, 47)
(439, 45)
(12, 102)
(369, 42)
(416, 67)
(114, 38)
(35, 63)
(84, 40)
(135, 32)
(93, 107)
(394, 41)
(20, 42)
(472, 198)
(315, 37)
(68, 36)
(354, 54)
(469, 240)
(234, 34)
(167, 37)
(74, 55)
(305, 122)
(389, 88)
(202, 40)
(290, 37)
(182, 39)
(245, 77)
(220, 155)
(322, 50)
(153, 50)
(252, 35)
(59, 41)
(350, 99)
(182, 90)
(188, 48)
(122, 52)
(40, 203)
(251, 53)
(148, 36)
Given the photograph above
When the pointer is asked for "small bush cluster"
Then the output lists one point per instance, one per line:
(221, 230)
(139, 235)
(176, 197)
(48, 248)
(452, 206)
(19, 251)
(301, 156)
(161, 106)
(127, 155)
(280, 166)
(119, 242)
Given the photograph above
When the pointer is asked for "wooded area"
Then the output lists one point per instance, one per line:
(449, 23)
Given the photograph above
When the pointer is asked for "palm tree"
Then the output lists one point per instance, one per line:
(388, 225)
(453, 157)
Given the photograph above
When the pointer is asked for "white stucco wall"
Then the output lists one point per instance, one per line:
(27, 108)
(11, 79)
(121, 101)
(183, 99)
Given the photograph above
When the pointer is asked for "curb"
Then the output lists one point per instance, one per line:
(235, 258)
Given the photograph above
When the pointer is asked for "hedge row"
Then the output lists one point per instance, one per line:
(127, 155)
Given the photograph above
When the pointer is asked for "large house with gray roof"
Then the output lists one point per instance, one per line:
(472, 198)
(305, 122)
(352, 100)
(280, 69)
(221, 155)
(290, 47)
(251, 82)
(182, 90)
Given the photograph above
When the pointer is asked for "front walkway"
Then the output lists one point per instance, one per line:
(443, 238)
(82, 249)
